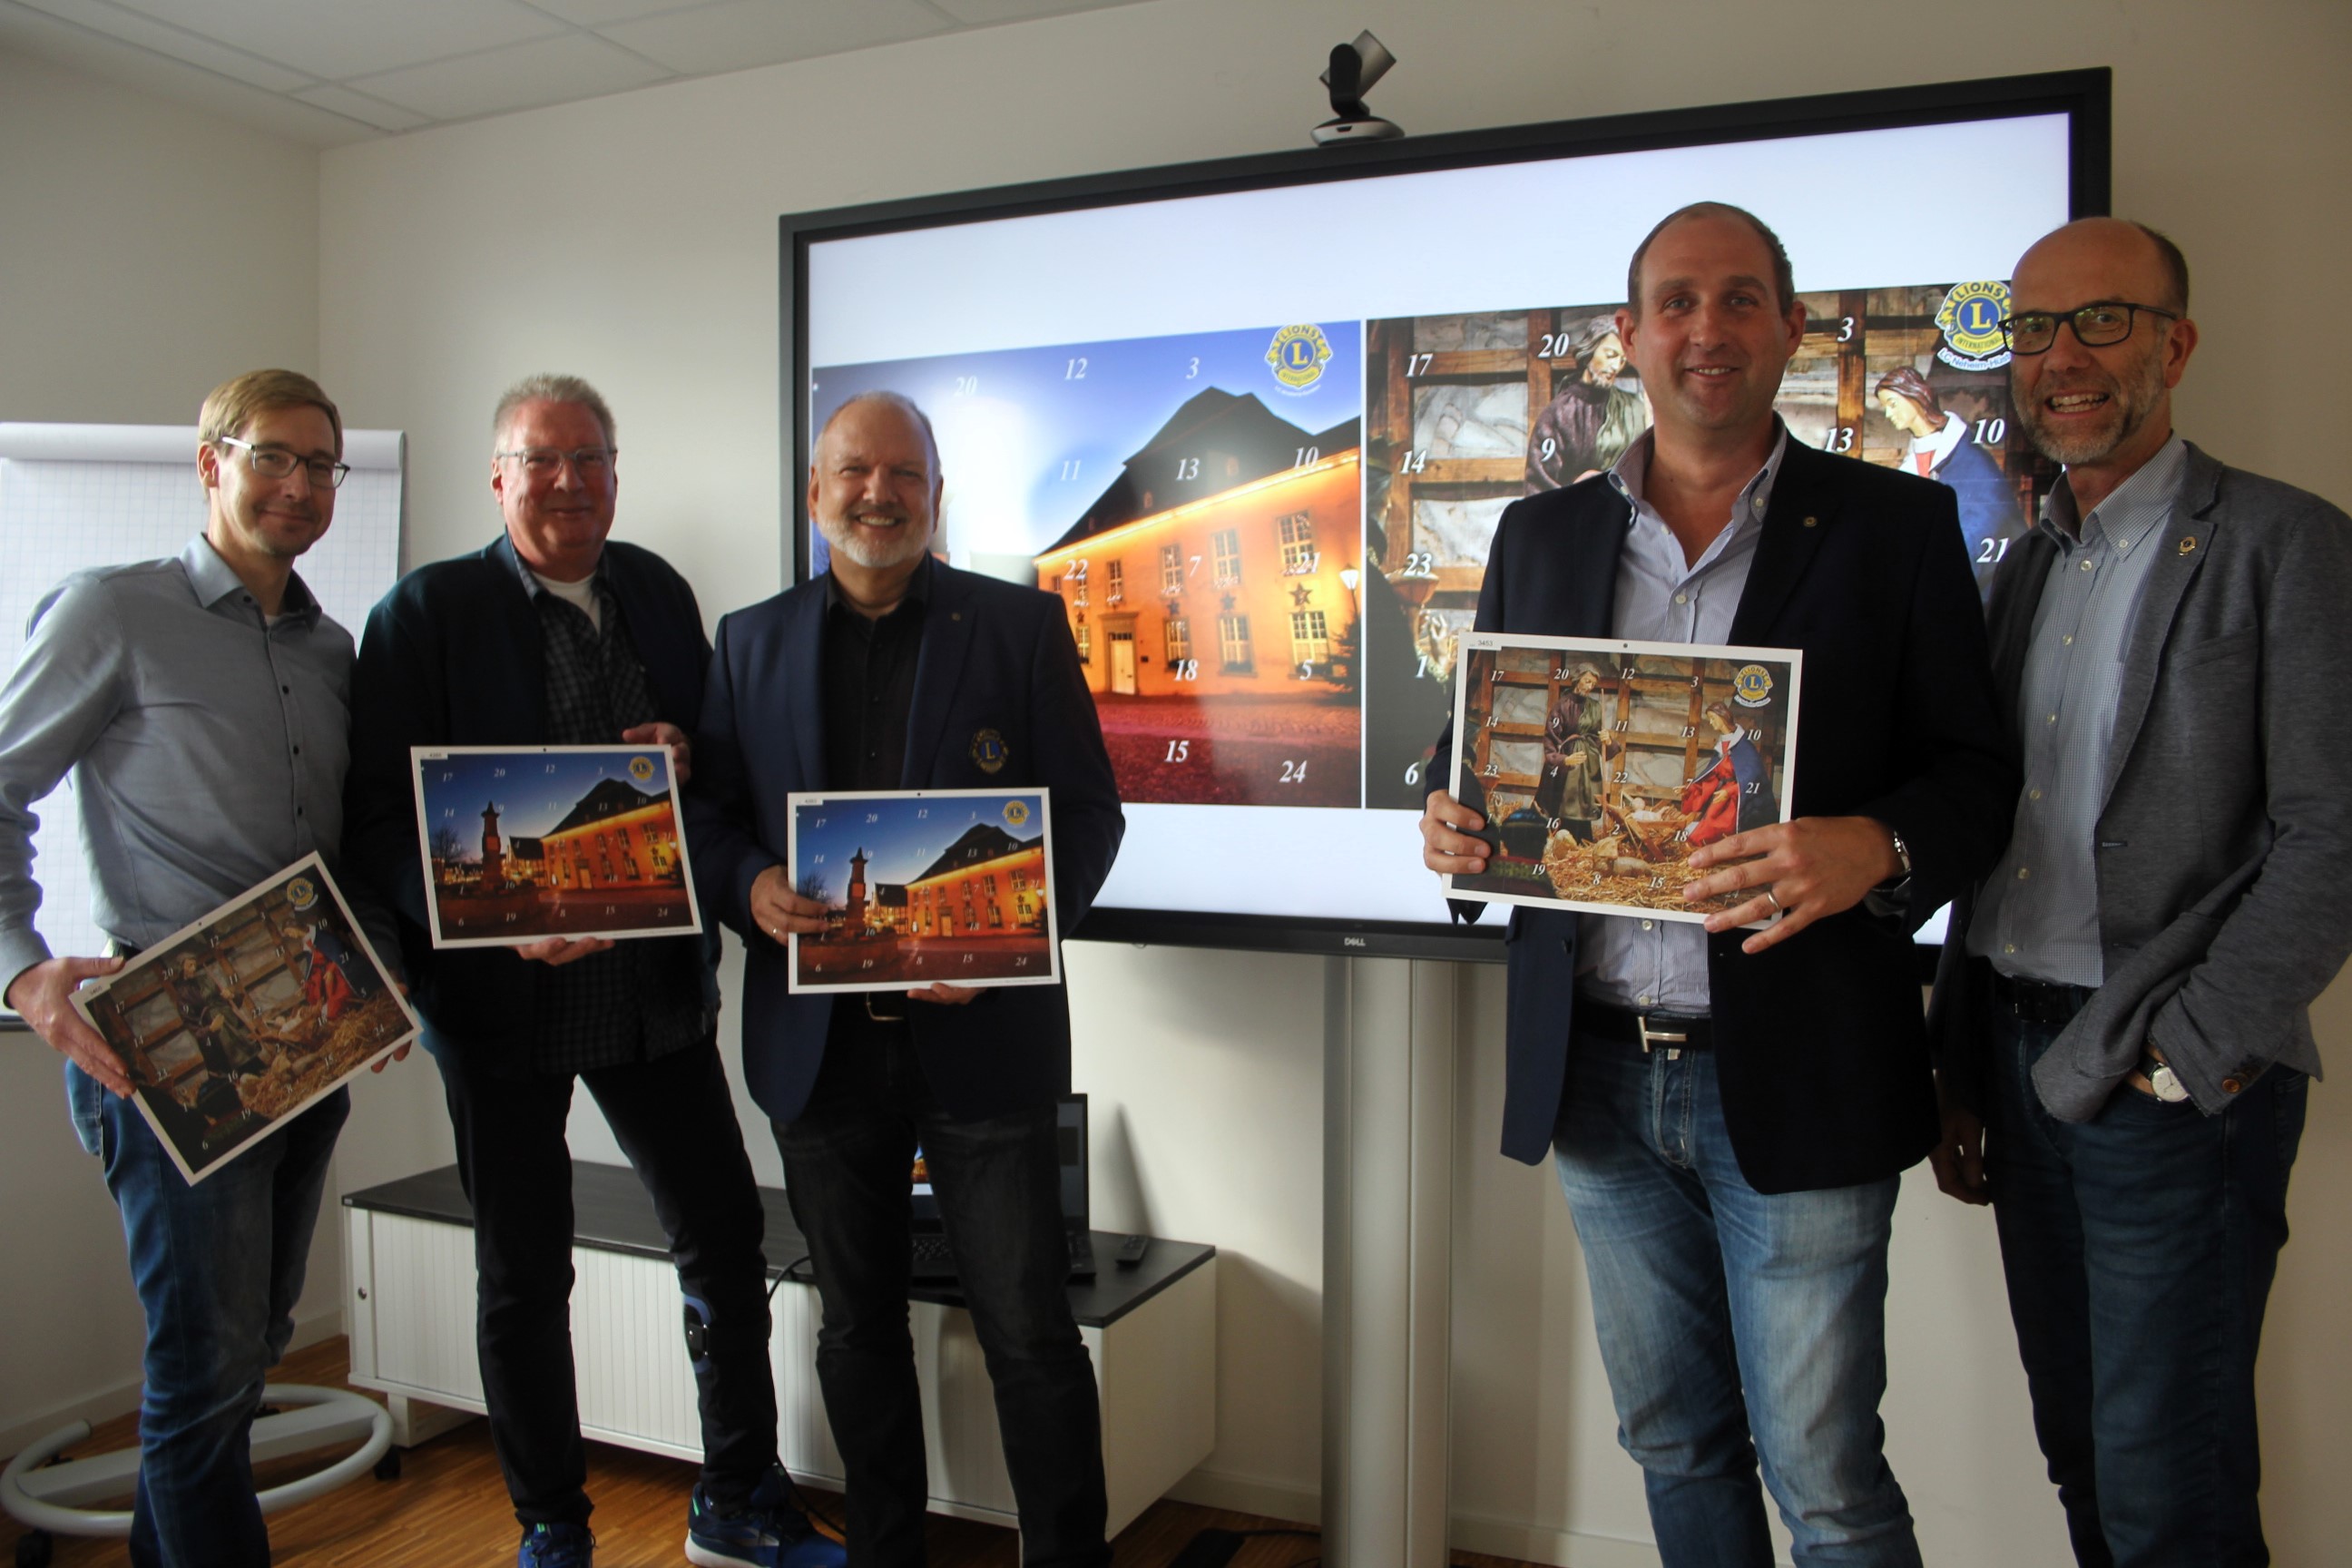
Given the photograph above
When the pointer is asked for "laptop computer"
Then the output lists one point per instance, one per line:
(933, 1264)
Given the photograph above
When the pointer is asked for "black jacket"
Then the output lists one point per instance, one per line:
(1821, 1046)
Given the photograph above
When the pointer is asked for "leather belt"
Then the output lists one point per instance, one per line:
(2040, 1001)
(1651, 1030)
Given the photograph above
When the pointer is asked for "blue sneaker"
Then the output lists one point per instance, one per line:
(768, 1532)
(557, 1546)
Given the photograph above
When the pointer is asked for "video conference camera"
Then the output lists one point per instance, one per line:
(1354, 68)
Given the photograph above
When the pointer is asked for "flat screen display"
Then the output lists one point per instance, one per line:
(1254, 422)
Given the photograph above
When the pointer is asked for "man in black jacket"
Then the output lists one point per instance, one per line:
(1728, 1112)
(552, 635)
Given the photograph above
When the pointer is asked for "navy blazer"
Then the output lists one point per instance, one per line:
(995, 656)
(1820, 1047)
(453, 657)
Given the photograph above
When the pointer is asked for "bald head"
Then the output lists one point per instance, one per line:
(2103, 409)
(2148, 267)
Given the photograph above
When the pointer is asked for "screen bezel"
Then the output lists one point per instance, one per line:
(2084, 97)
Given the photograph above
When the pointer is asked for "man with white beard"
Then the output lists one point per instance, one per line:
(896, 671)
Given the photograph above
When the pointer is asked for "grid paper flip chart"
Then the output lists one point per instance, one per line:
(76, 496)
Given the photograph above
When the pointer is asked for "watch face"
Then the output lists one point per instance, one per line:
(2168, 1085)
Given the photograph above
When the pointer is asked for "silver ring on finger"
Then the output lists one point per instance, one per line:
(1778, 907)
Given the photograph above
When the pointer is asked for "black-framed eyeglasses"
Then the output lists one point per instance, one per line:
(546, 462)
(2100, 325)
(276, 462)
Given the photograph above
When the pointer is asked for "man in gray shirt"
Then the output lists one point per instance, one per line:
(200, 705)
(2121, 1019)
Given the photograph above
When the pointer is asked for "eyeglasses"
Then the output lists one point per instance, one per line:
(276, 462)
(591, 463)
(2098, 325)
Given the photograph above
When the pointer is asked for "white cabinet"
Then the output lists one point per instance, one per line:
(1150, 1330)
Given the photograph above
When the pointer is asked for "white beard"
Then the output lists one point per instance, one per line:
(902, 544)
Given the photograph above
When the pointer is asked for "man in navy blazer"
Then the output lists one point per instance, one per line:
(894, 670)
(555, 634)
(1727, 1111)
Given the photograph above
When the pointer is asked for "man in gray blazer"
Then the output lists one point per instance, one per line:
(2121, 1016)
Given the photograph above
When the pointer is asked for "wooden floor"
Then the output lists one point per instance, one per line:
(449, 1510)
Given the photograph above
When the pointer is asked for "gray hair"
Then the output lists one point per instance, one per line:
(897, 400)
(549, 388)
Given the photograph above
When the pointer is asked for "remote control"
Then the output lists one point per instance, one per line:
(1131, 1250)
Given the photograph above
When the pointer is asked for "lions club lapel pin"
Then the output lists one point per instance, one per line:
(988, 751)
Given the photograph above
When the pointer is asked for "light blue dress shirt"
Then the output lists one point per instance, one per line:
(206, 745)
(1636, 960)
(2039, 918)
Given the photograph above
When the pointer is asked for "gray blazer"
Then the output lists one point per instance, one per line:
(2225, 855)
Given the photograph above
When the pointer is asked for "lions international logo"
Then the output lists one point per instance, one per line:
(1970, 319)
(990, 752)
(641, 769)
(1298, 355)
(1752, 687)
(301, 893)
(1016, 812)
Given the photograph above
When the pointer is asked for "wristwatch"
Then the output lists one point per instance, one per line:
(1902, 877)
(2162, 1080)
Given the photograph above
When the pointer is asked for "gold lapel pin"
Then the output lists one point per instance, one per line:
(2188, 544)
(1812, 523)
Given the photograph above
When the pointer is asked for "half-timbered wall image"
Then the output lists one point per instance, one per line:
(1466, 413)
(1654, 734)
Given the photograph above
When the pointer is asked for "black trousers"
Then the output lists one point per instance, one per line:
(848, 1159)
(676, 1122)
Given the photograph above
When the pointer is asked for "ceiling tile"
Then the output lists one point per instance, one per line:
(981, 11)
(341, 39)
(44, 37)
(361, 107)
(522, 76)
(180, 44)
(739, 34)
(597, 13)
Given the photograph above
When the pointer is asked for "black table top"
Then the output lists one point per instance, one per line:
(611, 1212)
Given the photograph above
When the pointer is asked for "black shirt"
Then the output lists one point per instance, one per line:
(869, 690)
(869, 686)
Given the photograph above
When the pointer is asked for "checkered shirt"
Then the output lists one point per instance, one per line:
(644, 998)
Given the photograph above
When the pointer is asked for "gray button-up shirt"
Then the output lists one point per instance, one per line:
(1636, 960)
(2039, 917)
(206, 745)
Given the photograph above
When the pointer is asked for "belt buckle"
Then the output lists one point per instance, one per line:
(1655, 1037)
(898, 1018)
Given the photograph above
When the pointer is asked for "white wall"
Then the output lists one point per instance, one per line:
(633, 239)
(147, 253)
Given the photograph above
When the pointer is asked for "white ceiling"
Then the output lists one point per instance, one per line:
(328, 72)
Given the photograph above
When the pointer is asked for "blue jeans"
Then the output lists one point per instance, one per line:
(847, 1158)
(218, 1267)
(2139, 1248)
(1735, 1326)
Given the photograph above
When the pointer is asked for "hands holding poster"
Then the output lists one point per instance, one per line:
(1601, 766)
(924, 888)
(233, 1025)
